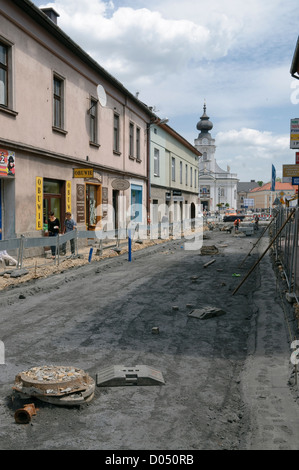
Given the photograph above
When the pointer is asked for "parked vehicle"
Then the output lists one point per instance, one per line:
(231, 215)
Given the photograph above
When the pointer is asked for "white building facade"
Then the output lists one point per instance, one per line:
(217, 187)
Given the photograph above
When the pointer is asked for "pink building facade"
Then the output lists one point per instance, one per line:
(72, 138)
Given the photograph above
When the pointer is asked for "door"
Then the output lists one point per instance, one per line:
(136, 203)
(53, 201)
(0, 210)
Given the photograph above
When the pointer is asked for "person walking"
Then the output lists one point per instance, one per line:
(53, 228)
(69, 226)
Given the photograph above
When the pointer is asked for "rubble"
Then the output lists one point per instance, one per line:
(209, 250)
(206, 312)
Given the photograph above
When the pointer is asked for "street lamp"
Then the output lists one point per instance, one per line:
(156, 122)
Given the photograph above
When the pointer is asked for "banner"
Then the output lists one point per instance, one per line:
(39, 203)
(7, 163)
(273, 178)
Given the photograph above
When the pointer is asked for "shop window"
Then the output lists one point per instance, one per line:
(53, 200)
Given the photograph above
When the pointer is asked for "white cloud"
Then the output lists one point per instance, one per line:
(234, 54)
(250, 151)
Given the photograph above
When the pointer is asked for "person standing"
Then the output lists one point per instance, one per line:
(69, 225)
(53, 228)
(236, 224)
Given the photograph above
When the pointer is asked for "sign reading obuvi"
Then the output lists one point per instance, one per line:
(83, 172)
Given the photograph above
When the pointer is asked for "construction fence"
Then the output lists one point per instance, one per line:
(284, 232)
(79, 243)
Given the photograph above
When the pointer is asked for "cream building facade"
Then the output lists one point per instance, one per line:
(216, 186)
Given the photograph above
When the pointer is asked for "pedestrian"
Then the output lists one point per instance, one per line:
(69, 225)
(256, 221)
(53, 228)
(236, 224)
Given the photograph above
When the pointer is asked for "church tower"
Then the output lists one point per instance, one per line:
(205, 144)
(217, 187)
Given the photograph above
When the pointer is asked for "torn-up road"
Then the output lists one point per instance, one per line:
(226, 369)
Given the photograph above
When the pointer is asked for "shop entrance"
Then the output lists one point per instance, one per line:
(0, 211)
(136, 203)
(93, 200)
(53, 201)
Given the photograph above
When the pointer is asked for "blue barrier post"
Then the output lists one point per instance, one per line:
(129, 246)
(90, 255)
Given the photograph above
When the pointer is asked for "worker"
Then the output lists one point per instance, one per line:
(236, 224)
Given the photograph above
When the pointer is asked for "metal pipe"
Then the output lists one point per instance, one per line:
(24, 415)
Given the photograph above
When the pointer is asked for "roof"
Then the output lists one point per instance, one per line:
(180, 138)
(246, 186)
(295, 61)
(278, 187)
(40, 17)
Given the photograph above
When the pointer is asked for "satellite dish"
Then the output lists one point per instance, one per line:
(101, 95)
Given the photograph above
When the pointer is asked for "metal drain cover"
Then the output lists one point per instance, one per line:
(114, 376)
(60, 385)
(206, 312)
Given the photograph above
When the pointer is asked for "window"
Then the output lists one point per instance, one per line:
(195, 178)
(191, 177)
(173, 169)
(186, 175)
(131, 140)
(181, 173)
(138, 157)
(156, 162)
(116, 133)
(58, 102)
(93, 113)
(205, 156)
(3, 75)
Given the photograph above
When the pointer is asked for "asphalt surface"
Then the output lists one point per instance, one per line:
(228, 379)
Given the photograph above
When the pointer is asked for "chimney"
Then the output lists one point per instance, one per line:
(51, 13)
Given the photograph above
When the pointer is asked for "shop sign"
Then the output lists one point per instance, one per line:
(7, 163)
(39, 202)
(68, 197)
(80, 203)
(83, 172)
(120, 184)
(294, 137)
(105, 202)
(290, 170)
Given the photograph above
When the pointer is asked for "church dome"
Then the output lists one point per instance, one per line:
(204, 125)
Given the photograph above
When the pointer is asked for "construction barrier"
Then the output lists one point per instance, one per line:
(286, 246)
(23, 247)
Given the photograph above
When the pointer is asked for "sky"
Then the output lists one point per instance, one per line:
(177, 54)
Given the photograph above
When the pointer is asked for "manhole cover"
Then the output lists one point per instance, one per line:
(64, 385)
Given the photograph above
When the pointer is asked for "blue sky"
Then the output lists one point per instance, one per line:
(235, 55)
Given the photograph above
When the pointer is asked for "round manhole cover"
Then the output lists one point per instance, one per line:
(55, 381)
